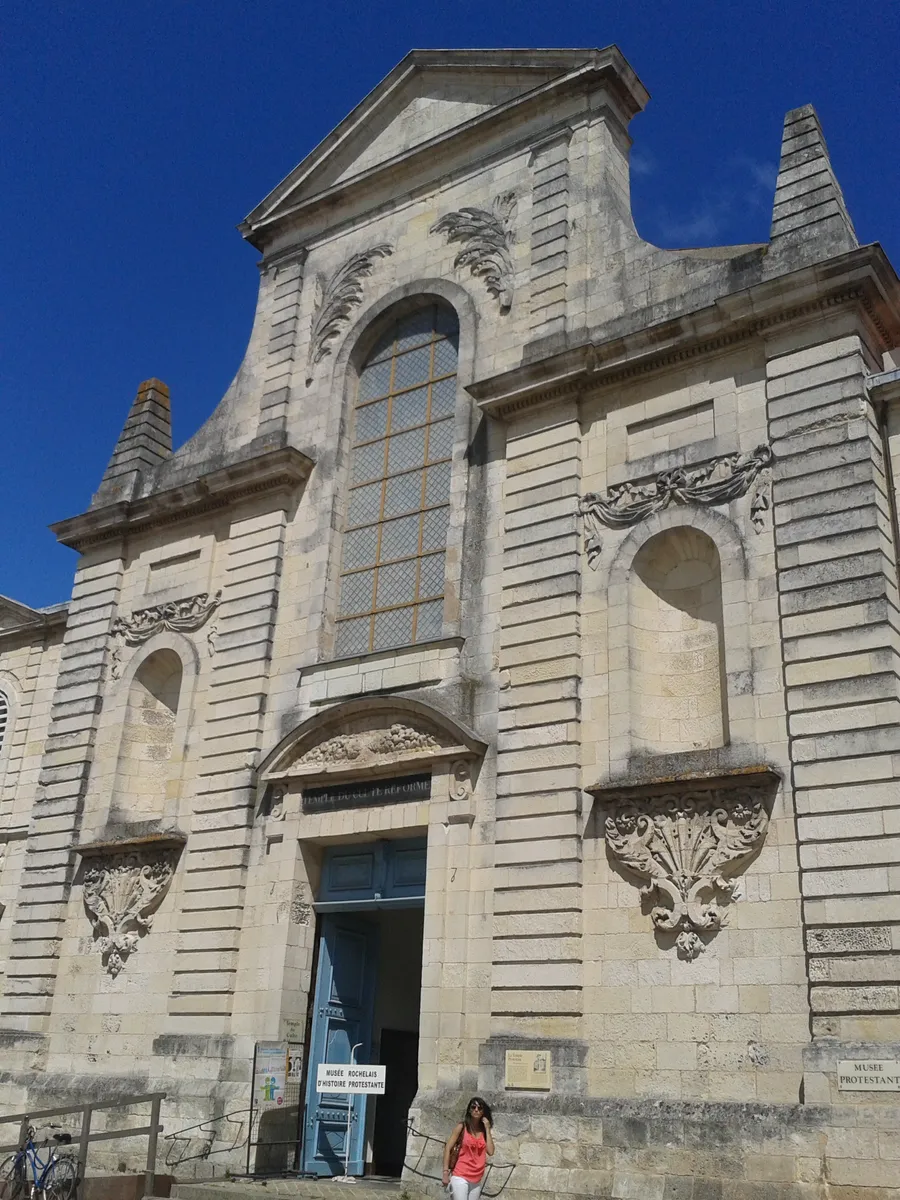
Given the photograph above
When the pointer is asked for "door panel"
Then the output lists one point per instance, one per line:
(342, 1017)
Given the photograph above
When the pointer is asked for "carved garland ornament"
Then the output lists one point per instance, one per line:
(347, 747)
(336, 300)
(487, 237)
(121, 893)
(681, 843)
(715, 482)
(180, 616)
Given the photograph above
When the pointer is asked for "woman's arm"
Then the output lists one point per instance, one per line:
(448, 1146)
(488, 1137)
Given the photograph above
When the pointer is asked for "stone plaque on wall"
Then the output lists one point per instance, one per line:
(528, 1069)
(367, 794)
(869, 1075)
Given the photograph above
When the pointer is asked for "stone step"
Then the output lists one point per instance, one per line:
(298, 1189)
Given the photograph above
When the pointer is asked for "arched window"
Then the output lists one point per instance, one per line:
(676, 644)
(392, 568)
(4, 718)
(148, 733)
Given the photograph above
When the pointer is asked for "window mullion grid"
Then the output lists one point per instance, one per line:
(384, 483)
(422, 493)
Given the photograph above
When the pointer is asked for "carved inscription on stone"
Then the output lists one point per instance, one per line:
(487, 236)
(121, 893)
(180, 616)
(683, 843)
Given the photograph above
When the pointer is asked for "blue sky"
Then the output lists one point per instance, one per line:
(138, 134)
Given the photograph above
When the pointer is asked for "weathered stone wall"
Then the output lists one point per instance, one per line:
(670, 612)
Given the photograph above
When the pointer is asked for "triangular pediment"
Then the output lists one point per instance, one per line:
(429, 96)
(16, 617)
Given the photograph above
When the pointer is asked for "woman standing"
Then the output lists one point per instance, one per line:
(468, 1146)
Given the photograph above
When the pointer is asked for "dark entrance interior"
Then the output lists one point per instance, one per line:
(396, 1033)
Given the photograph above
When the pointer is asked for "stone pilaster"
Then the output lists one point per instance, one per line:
(65, 769)
(278, 361)
(837, 584)
(218, 847)
(549, 234)
(537, 977)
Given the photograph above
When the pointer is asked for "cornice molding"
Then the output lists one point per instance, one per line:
(33, 621)
(283, 469)
(884, 388)
(863, 278)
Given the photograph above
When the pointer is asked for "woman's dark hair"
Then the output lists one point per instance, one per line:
(485, 1112)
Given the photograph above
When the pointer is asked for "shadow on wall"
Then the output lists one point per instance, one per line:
(145, 751)
(676, 653)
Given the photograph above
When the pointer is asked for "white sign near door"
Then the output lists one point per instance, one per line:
(350, 1077)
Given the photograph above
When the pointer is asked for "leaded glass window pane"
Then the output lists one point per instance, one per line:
(371, 421)
(375, 381)
(392, 571)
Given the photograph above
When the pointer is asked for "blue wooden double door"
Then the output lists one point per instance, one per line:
(361, 886)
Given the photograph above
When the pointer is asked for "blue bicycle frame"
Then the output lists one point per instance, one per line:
(29, 1154)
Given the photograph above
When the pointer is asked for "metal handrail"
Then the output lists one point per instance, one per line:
(85, 1136)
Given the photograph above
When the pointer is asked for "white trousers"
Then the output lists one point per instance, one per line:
(461, 1189)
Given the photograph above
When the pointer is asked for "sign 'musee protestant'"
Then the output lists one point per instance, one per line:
(350, 1077)
(869, 1075)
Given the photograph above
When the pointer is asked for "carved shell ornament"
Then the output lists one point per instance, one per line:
(681, 844)
(121, 893)
(487, 236)
(335, 300)
(715, 482)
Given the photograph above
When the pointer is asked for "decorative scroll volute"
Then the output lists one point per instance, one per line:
(684, 843)
(487, 236)
(121, 893)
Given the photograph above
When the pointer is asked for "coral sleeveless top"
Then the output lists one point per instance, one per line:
(472, 1156)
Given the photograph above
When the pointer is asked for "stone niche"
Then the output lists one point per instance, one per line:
(684, 840)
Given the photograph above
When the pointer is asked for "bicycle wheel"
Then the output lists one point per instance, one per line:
(12, 1178)
(61, 1179)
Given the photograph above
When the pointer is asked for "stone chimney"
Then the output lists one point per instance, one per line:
(810, 221)
(145, 441)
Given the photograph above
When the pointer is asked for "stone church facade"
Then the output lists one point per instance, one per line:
(504, 679)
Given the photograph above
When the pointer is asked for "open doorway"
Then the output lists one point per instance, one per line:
(365, 1005)
(396, 1036)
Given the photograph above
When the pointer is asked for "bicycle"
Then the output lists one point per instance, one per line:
(55, 1179)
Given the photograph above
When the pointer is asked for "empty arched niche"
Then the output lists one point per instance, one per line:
(145, 751)
(676, 653)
